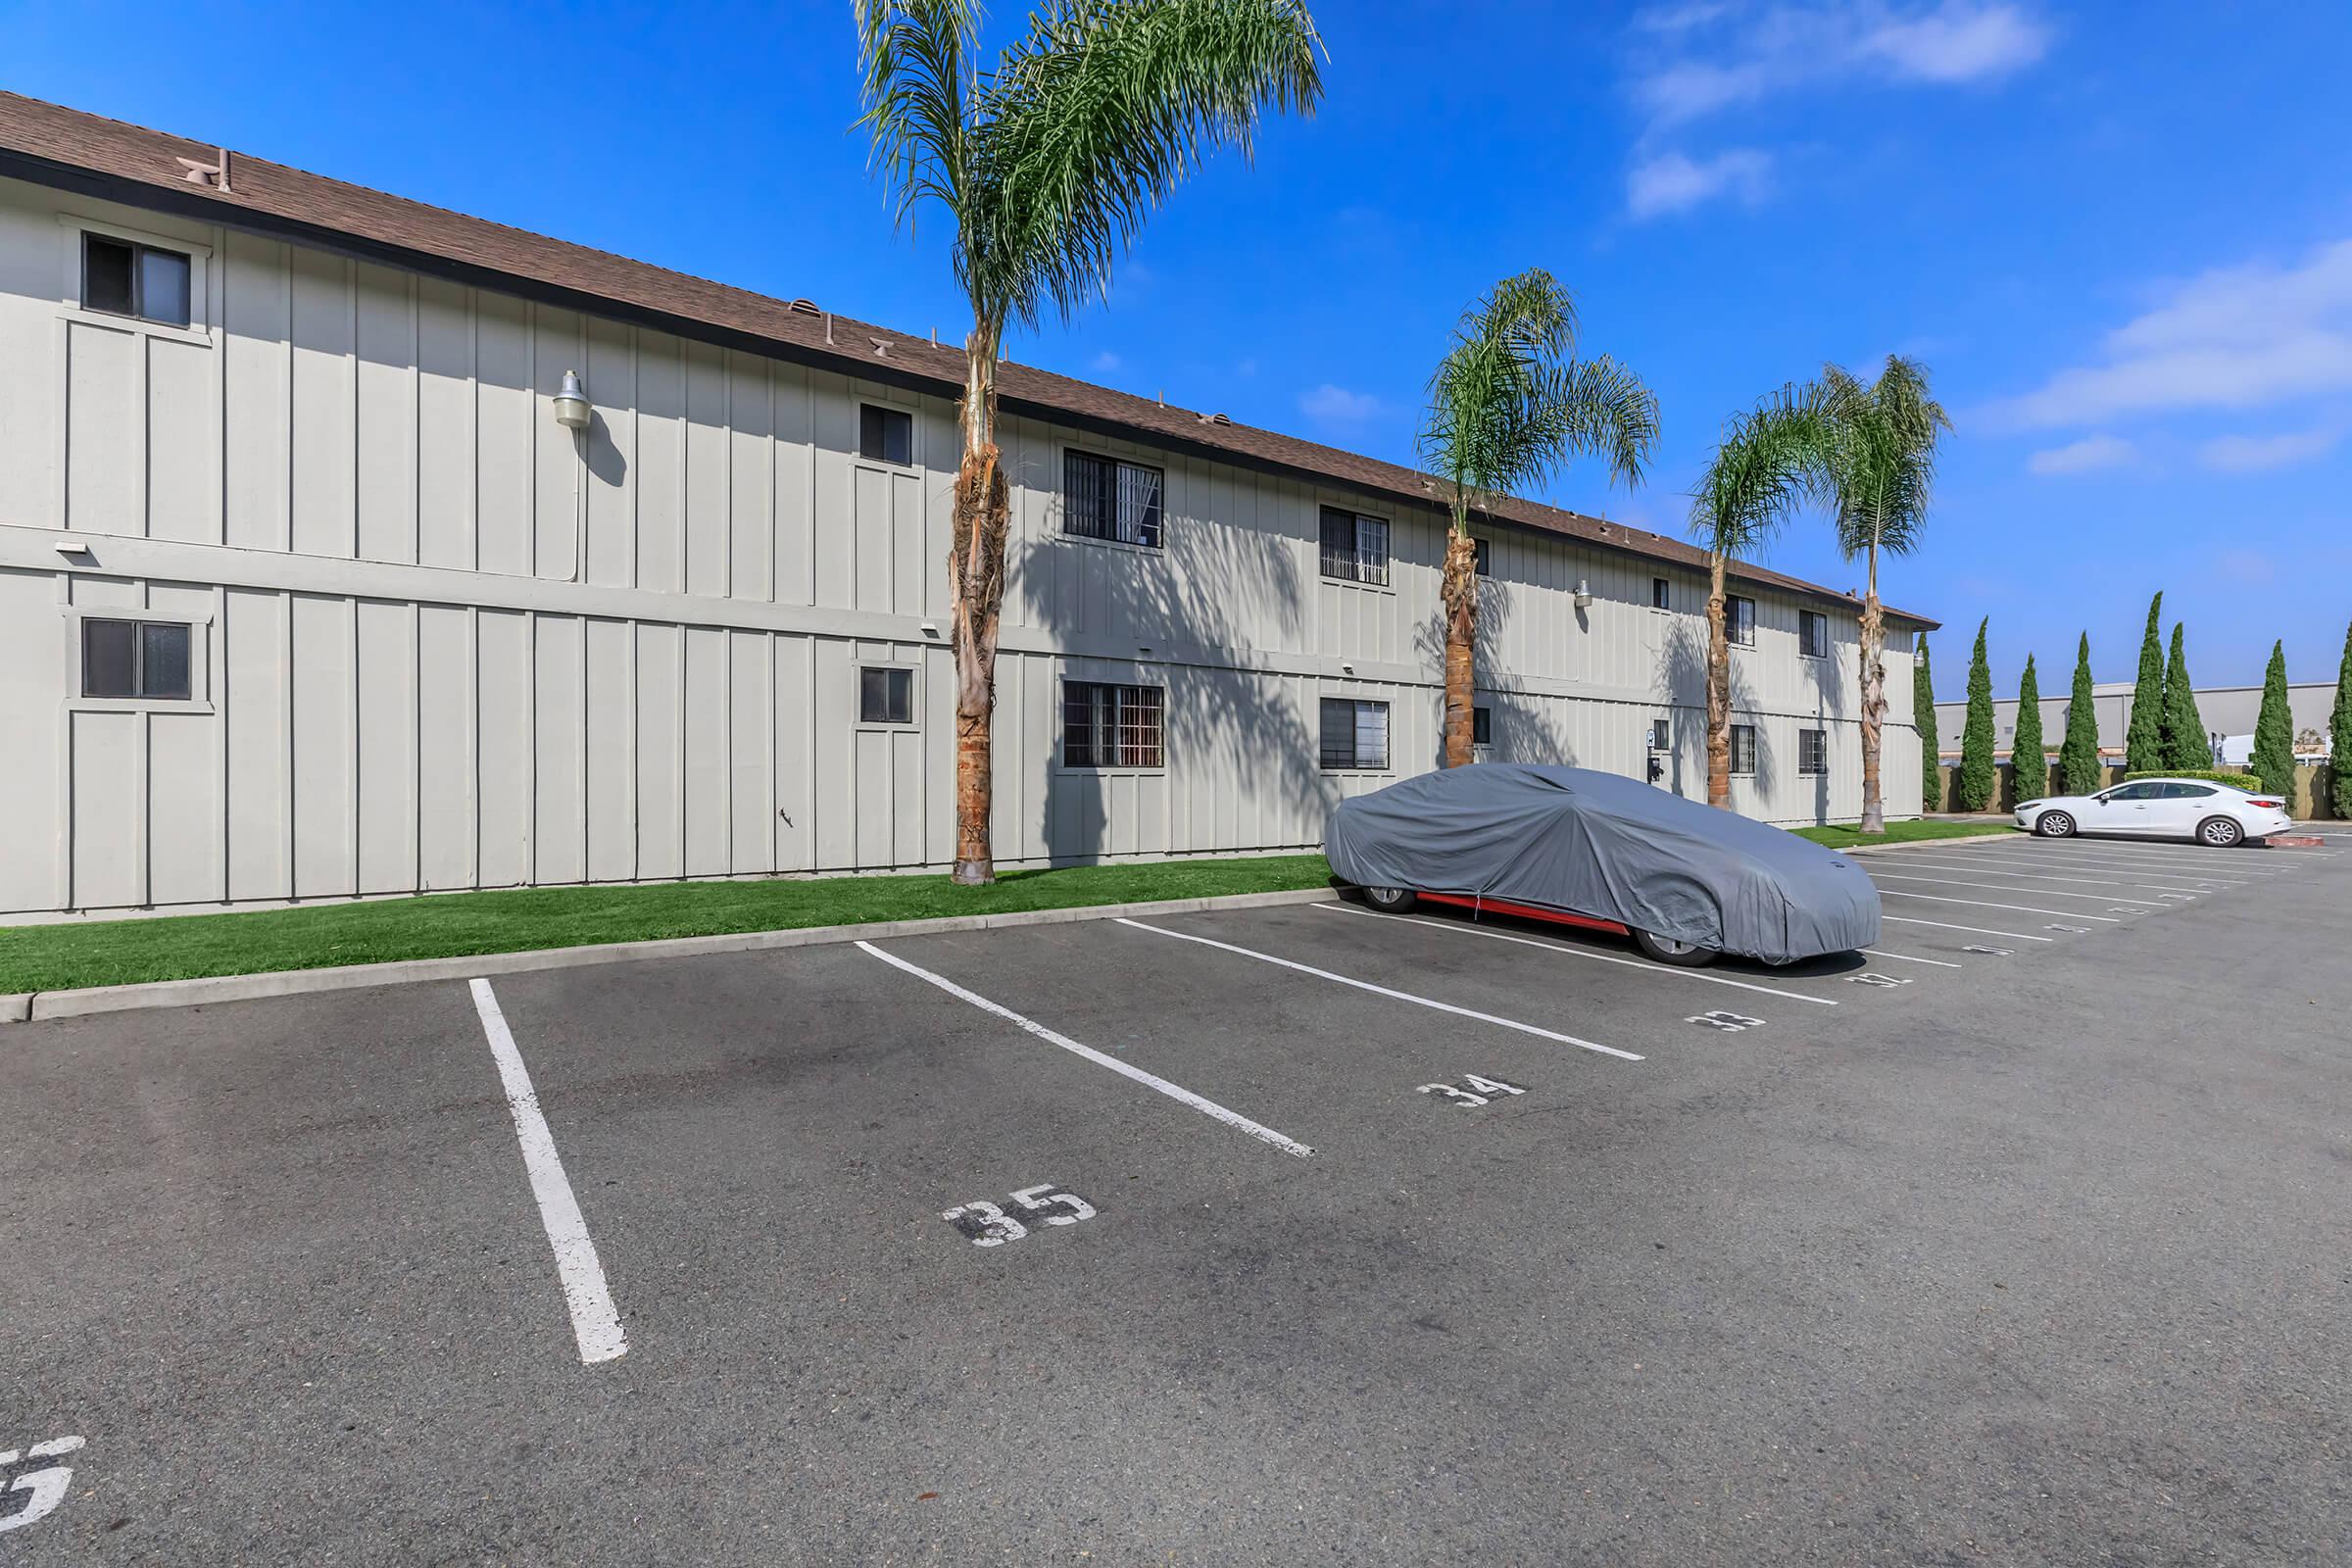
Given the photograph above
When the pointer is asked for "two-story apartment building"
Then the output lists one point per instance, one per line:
(311, 589)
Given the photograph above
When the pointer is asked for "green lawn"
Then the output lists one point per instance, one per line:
(1848, 837)
(59, 957)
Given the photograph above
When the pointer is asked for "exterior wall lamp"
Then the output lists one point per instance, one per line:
(1584, 595)
(572, 408)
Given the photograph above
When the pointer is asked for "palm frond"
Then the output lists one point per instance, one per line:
(1770, 462)
(1509, 402)
(914, 69)
(1093, 117)
(1881, 461)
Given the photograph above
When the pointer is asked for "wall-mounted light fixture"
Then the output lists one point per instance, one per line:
(1584, 595)
(572, 408)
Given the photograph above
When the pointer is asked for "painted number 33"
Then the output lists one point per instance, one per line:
(987, 1225)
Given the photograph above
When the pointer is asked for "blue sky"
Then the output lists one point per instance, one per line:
(2121, 236)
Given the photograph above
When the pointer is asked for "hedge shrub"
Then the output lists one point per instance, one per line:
(2236, 781)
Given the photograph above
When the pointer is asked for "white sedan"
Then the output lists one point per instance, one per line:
(2160, 809)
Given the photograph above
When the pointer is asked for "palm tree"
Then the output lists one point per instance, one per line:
(1881, 464)
(1769, 462)
(1506, 404)
(1046, 166)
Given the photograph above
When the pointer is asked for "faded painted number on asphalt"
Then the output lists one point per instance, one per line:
(1879, 979)
(1480, 1091)
(2000, 953)
(1728, 1022)
(2076, 929)
(984, 1224)
(44, 1489)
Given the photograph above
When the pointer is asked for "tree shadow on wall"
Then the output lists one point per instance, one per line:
(1241, 746)
(1683, 668)
(1497, 607)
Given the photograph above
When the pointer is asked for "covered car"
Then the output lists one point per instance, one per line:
(1687, 880)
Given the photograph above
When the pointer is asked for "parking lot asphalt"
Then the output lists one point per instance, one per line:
(1301, 1234)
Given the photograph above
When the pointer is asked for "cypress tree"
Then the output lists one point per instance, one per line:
(1922, 719)
(2274, 760)
(1978, 776)
(2143, 746)
(2339, 737)
(2079, 769)
(2029, 762)
(2185, 742)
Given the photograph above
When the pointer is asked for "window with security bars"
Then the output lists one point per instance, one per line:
(1812, 751)
(1356, 548)
(1743, 750)
(1812, 634)
(1104, 725)
(1103, 498)
(1355, 734)
(1739, 621)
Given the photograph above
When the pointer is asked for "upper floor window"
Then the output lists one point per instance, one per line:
(1481, 557)
(1739, 621)
(1661, 736)
(1356, 548)
(134, 658)
(1482, 727)
(1812, 634)
(885, 435)
(1661, 593)
(885, 694)
(123, 277)
(1355, 734)
(1743, 750)
(1812, 751)
(1104, 725)
(1104, 497)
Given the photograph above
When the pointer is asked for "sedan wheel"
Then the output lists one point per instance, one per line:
(1666, 950)
(1389, 901)
(2221, 832)
(2054, 825)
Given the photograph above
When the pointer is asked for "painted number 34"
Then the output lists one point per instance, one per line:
(987, 1225)
(1480, 1091)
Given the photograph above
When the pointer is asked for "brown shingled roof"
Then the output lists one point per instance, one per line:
(53, 145)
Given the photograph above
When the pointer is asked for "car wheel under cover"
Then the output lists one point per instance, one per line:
(2054, 825)
(1389, 901)
(1666, 950)
(2221, 832)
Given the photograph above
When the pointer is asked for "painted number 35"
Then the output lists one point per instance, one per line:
(987, 1225)
(1480, 1091)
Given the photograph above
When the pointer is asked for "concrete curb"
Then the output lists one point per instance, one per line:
(2008, 835)
(41, 1004)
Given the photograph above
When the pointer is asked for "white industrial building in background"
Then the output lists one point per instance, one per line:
(319, 580)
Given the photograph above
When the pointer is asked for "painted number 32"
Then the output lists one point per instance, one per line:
(987, 1225)
(1480, 1091)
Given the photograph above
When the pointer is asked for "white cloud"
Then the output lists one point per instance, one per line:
(2239, 337)
(1725, 55)
(1672, 184)
(1335, 404)
(1104, 363)
(2251, 454)
(2084, 456)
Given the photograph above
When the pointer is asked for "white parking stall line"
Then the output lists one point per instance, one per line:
(1996, 887)
(1947, 925)
(1983, 904)
(1384, 991)
(594, 1322)
(1175, 1091)
(1912, 957)
(2100, 864)
(2140, 855)
(1577, 953)
(2114, 879)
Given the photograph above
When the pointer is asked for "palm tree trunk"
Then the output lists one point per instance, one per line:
(1719, 690)
(1874, 699)
(1457, 588)
(975, 598)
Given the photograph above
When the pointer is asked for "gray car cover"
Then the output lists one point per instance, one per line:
(1609, 847)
